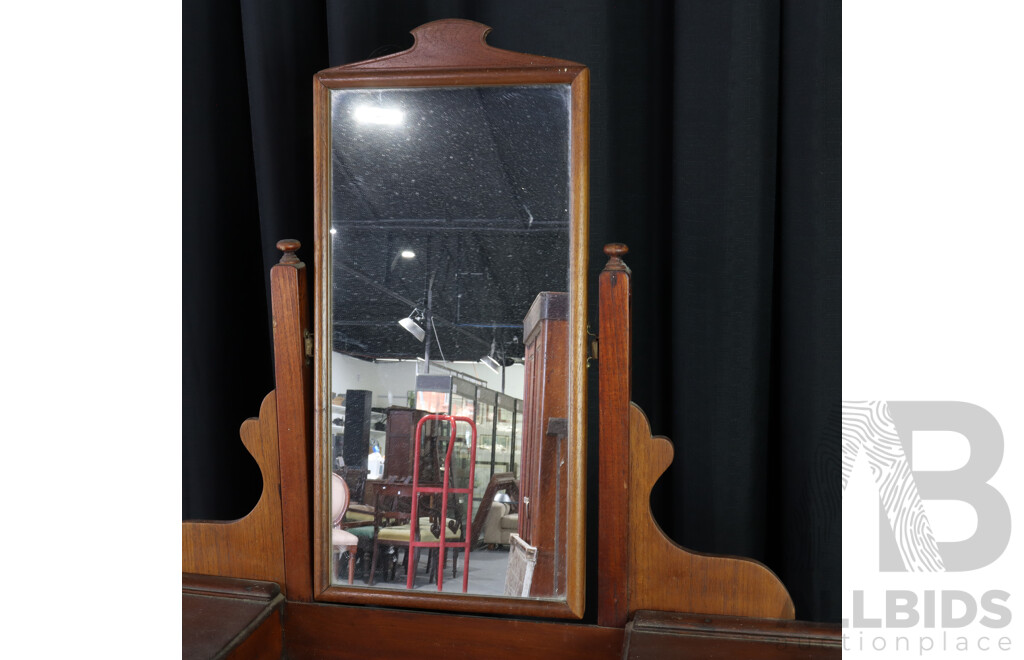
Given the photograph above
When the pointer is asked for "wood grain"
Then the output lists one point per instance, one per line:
(293, 375)
(650, 571)
(663, 575)
(675, 635)
(252, 546)
(264, 643)
(229, 618)
(321, 403)
(543, 488)
(614, 369)
(576, 562)
(453, 48)
(454, 52)
(338, 631)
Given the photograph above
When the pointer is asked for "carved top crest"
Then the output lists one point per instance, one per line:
(455, 43)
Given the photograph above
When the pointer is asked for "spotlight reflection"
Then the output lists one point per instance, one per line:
(366, 114)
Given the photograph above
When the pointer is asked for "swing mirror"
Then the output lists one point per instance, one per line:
(451, 225)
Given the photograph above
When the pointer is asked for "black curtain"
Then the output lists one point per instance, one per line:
(715, 155)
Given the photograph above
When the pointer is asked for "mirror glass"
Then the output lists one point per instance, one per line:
(449, 279)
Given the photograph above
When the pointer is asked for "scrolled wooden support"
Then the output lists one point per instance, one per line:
(252, 546)
(665, 576)
(640, 568)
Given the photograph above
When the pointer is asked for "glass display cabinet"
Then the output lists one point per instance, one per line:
(485, 416)
(446, 394)
(504, 429)
(517, 439)
(496, 435)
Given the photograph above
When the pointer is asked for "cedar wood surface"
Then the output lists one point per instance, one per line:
(675, 635)
(230, 618)
(663, 575)
(614, 343)
(344, 631)
(448, 53)
(252, 546)
(648, 571)
(454, 52)
(292, 373)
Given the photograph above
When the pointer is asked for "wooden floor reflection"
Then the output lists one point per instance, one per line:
(486, 574)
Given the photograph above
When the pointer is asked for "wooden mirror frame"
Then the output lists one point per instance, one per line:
(249, 586)
(454, 53)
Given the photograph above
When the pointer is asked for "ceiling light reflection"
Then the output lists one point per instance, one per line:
(366, 114)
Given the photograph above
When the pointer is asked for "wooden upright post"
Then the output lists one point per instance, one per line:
(293, 374)
(613, 401)
(640, 568)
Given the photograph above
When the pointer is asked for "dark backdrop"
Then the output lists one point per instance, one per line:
(715, 155)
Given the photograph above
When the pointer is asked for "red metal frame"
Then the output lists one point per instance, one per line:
(414, 524)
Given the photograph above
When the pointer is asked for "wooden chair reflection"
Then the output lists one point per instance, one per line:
(392, 528)
(391, 516)
(458, 476)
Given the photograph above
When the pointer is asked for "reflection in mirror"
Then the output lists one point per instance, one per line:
(449, 273)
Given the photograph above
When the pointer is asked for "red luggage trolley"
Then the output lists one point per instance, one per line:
(444, 489)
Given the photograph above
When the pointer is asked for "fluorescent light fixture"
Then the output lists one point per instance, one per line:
(408, 254)
(367, 114)
(492, 364)
(413, 328)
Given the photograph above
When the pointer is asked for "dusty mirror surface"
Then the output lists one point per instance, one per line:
(449, 280)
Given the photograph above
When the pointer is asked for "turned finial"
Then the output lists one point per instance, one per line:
(615, 252)
(289, 246)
